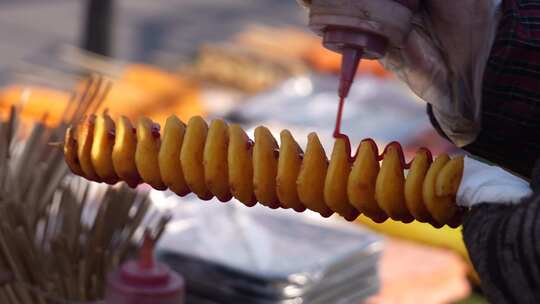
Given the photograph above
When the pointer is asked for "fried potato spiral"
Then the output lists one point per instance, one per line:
(220, 160)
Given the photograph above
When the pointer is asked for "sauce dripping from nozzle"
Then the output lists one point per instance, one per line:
(349, 66)
(337, 130)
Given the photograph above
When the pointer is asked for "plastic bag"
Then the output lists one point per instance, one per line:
(443, 58)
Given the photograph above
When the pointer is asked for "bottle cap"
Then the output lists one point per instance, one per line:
(145, 280)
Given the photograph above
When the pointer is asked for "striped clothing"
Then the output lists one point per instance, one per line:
(504, 246)
(510, 135)
(511, 91)
(504, 241)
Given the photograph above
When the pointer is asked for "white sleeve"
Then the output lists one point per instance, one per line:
(482, 183)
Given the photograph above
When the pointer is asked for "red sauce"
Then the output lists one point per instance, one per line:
(374, 147)
(250, 144)
(338, 135)
(276, 153)
(327, 213)
(155, 130)
(352, 216)
(112, 133)
(92, 119)
(274, 206)
(401, 155)
(429, 155)
(337, 130)
(300, 208)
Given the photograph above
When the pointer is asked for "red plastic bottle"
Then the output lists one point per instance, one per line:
(145, 281)
(361, 29)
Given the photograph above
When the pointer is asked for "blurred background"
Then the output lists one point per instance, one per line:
(252, 62)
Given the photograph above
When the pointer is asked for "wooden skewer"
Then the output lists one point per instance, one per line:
(49, 240)
(56, 144)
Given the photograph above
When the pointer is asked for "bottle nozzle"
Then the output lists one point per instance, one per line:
(146, 255)
(349, 65)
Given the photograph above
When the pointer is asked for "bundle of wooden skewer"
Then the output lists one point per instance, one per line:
(59, 235)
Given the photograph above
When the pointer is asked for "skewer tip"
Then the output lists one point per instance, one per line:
(56, 144)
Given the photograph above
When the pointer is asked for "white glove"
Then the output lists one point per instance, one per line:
(482, 183)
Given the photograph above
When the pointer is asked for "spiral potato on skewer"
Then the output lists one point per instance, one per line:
(221, 160)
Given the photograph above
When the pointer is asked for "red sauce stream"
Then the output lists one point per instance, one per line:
(338, 135)
(155, 129)
(337, 129)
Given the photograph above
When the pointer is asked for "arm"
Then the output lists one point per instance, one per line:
(483, 95)
(510, 113)
(513, 145)
(501, 236)
(504, 246)
(504, 241)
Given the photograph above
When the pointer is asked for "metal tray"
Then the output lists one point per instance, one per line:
(266, 255)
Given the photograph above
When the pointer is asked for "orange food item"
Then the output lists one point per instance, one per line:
(296, 44)
(153, 79)
(207, 152)
(147, 90)
(140, 90)
(36, 102)
(327, 61)
(185, 107)
(129, 99)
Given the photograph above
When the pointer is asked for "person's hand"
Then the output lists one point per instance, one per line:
(443, 58)
(443, 61)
